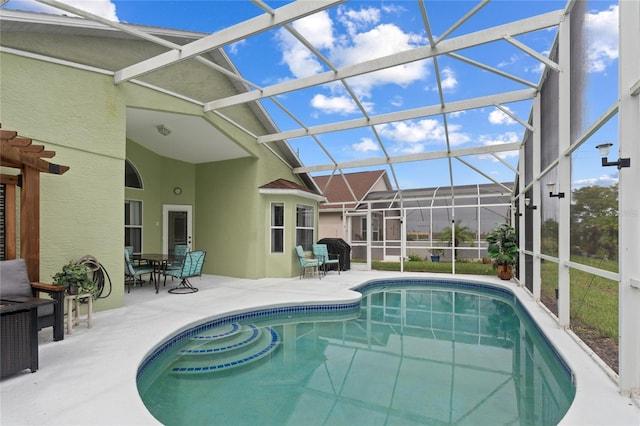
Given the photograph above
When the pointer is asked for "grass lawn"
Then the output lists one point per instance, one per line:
(466, 267)
(594, 300)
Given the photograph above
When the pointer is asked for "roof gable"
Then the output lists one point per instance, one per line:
(284, 186)
(337, 192)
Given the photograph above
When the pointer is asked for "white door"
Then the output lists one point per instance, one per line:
(176, 226)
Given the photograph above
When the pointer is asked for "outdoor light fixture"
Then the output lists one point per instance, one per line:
(551, 194)
(163, 130)
(528, 205)
(604, 152)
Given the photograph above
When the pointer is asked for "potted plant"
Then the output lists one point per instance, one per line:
(76, 278)
(435, 254)
(503, 250)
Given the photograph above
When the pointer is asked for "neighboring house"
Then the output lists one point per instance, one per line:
(353, 198)
(179, 173)
(344, 193)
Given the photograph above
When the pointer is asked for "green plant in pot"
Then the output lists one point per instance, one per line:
(76, 278)
(436, 254)
(503, 250)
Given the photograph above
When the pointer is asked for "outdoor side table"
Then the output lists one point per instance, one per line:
(19, 334)
(73, 315)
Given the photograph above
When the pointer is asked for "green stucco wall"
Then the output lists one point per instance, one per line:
(159, 176)
(284, 264)
(80, 116)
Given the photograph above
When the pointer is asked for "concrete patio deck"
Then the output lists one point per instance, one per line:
(89, 378)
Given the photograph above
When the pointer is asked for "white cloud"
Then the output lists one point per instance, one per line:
(507, 137)
(383, 40)
(604, 180)
(235, 47)
(456, 114)
(414, 131)
(356, 19)
(365, 144)
(413, 136)
(103, 8)
(363, 37)
(498, 116)
(512, 60)
(335, 104)
(397, 101)
(318, 30)
(449, 82)
(602, 35)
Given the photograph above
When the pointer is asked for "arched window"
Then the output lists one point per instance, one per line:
(131, 176)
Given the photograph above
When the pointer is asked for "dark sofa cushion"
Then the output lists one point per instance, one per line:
(14, 280)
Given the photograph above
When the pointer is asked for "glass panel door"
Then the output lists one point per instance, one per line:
(176, 227)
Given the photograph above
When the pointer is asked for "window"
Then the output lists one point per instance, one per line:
(133, 225)
(375, 228)
(304, 226)
(277, 228)
(131, 176)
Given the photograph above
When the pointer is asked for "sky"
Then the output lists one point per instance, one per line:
(361, 30)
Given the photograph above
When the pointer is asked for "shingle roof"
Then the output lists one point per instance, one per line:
(286, 184)
(361, 183)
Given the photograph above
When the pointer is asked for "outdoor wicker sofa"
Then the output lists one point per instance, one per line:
(15, 287)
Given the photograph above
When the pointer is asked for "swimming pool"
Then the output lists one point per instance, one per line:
(412, 352)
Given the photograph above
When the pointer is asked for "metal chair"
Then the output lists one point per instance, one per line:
(179, 252)
(191, 266)
(306, 263)
(321, 252)
(133, 273)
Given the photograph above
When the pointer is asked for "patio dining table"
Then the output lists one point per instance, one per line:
(159, 261)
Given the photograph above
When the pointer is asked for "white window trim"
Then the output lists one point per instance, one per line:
(141, 226)
(312, 227)
(272, 227)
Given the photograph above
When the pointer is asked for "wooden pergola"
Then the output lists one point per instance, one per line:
(20, 153)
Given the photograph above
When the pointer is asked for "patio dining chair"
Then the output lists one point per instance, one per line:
(306, 263)
(179, 252)
(321, 252)
(133, 273)
(191, 266)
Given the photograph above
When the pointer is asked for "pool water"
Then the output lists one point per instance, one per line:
(410, 354)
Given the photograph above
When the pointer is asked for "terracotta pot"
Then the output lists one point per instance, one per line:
(505, 272)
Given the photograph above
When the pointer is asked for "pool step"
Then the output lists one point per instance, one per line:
(219, 332)
(241, 347)
(237, 340)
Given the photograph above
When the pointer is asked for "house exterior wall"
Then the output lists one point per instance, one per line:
(284, 264)
(330, 225)
(82, 116)
(159, 176)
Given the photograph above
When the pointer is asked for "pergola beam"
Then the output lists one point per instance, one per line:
(18, 151)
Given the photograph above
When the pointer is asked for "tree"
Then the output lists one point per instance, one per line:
(461, 234)
(594, 221)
